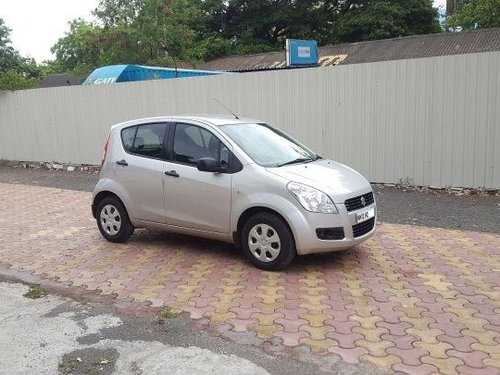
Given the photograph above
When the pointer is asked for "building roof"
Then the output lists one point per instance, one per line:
(127, 73)
(63, 79)
(410, 47)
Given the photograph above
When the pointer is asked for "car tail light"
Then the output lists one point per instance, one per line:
(105, 150)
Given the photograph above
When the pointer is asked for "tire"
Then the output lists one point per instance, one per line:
(268, 242)
(113, 221)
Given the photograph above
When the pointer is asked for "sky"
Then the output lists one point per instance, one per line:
(38, 24)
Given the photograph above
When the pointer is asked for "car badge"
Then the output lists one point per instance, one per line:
(363, 201)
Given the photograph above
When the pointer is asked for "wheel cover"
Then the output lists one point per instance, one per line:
(111, 221)
(264, 243)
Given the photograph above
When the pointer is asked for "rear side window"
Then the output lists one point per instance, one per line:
(128, 136)
(146, 140)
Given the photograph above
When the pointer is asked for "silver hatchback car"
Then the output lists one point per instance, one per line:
(232, 179)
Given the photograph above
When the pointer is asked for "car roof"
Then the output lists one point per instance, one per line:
(207, 119)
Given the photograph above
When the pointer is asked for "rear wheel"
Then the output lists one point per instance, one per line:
(268, 241)
(113, 221)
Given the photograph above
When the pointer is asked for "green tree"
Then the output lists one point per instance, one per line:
(165, 32)
(9, 57)
(473, 13)
(371, 20)
(79, 50)
(16, 72)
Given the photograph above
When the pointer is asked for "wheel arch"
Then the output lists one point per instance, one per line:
(100, 196)
(248, 213)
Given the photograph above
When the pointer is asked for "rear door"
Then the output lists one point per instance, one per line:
(139, 169)
(195, 199)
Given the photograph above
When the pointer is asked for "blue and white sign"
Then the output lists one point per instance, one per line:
(301, 52)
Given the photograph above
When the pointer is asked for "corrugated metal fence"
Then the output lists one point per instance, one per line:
(434, 121)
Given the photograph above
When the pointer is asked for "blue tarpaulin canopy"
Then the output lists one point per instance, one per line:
(127, 73)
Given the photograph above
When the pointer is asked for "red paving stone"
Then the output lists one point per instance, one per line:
(412, 299)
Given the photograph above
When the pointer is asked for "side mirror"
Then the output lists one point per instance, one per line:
(208, 165)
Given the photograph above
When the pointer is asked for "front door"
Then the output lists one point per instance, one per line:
(195, 199)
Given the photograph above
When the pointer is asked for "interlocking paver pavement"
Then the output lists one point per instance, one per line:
(412, 299)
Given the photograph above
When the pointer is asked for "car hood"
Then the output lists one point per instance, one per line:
(337, 180)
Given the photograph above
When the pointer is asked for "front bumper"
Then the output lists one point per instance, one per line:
(304, 225)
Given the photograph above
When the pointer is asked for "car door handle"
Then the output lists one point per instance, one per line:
(122, 162)
(172, 173)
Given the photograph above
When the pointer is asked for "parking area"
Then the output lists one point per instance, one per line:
(412, 299)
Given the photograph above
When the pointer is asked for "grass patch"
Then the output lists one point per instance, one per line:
(35, 292)
(165, 314)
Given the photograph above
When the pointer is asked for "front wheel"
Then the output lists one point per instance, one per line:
(268, 241)
(113, 221)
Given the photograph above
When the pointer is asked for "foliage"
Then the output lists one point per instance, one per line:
(16, 72)
(480, 13)
(170, 32)
(35, 292)
(9, 57)
(373, 20)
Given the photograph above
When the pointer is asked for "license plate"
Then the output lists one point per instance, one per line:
(365, 215)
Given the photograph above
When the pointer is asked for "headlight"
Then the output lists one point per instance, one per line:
(312, 199)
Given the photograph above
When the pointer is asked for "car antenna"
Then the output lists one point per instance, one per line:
(227, 109)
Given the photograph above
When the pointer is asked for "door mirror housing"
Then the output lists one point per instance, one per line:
(208, 165)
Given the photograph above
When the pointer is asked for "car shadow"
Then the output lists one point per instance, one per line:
(226, 253)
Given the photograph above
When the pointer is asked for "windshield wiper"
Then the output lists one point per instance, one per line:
(316, 157)
(301, 160)
(295, 161)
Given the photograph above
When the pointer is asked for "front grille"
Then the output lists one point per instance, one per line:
(356, 202)
(330, 233)
(362, 228)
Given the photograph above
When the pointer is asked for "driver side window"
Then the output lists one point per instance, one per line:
(192, 143)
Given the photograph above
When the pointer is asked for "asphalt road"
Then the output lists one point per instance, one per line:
(395, 205)
(57, 334)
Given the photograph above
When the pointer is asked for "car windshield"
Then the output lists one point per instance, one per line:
(268, 146)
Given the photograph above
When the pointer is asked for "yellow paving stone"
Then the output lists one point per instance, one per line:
(319, 346)
(474, 324)
(313, 283)
(427, 335)
(386, 361)
(489, 349)
(267, 319)
(376, 349)
(353, 284)
(363, 311)
(366, 322)
(316, 333)
(269, 299)
(493, 361)
(185, 297)
(313, 300)
(358, 292)
(484, 337)
(268, 308)
(418, 323)
(359, 300)
(221, 317)
(435, 350)
(446, 366)
(188, 288)
(265, 331)
(372, 335)
(315, 319)
(461, 311)
(317, 291)
(411, 311)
